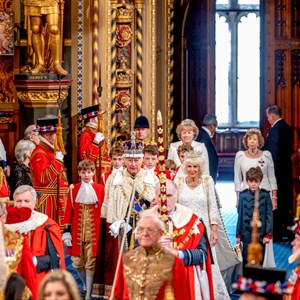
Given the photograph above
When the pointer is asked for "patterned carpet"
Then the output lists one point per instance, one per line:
(228, 199)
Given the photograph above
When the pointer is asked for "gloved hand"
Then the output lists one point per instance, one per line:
(67, 239)
(99, 137)
(59, 155)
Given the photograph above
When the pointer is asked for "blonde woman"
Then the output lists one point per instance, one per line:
(187, 131)
(60, 285)
(253, 157)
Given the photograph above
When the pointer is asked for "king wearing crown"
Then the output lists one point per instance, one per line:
(126, 195)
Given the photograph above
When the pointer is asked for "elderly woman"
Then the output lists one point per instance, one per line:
(187, 131)
(21, 169)
(197, 191)
(254, 157)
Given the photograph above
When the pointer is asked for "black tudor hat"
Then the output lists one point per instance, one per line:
(263, 281)
(89, 112)
(46, 124)
(141, 122)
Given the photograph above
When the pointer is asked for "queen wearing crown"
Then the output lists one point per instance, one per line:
(127, 193)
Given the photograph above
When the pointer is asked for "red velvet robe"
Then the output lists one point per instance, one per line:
(38, 243)
(177, 281)
(187, 241)
(97, 153)
(75, 219)
(46, 173)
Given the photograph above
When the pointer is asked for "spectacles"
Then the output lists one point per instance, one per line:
(150, 230)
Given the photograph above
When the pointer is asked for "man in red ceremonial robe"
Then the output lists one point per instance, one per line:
(294, 280)
(36, 230)
(18, 254)
(185, 238)
(150, 271)
(48, 173)
(92, 144)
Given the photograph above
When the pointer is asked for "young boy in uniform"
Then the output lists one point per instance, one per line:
(82, 223)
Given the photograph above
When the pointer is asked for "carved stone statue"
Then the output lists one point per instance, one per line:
(43, 22)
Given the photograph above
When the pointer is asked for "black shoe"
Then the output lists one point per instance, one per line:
(82, 294)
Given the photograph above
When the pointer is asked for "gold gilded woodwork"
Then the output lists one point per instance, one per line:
(125, 76)
(125, 12)
(6, 120)
(41, 99)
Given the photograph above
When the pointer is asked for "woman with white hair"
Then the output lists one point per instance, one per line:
(197, 191)
(21, 169)
(187, 131)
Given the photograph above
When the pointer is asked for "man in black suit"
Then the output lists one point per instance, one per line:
(280, 143)
(206, 133)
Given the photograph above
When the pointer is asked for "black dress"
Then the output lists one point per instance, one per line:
(20, 175)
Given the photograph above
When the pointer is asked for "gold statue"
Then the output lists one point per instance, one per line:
(44, 41)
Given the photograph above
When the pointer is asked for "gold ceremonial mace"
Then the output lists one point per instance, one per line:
(255, 257)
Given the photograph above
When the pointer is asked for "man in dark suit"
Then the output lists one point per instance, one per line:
(206, 133)
(280, 143)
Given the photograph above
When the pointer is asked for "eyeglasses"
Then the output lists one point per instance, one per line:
(150, 230)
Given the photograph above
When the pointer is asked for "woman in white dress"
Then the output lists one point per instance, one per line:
(196, 191)
(187, 131)
(254, 157)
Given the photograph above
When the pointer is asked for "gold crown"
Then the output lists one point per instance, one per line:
(124, 77)
(125, 12)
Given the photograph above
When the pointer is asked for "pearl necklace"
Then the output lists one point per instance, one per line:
(193, 184)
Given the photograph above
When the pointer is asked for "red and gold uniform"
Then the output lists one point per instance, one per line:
(153, 274)
(49, 180)
(96, 152)
(84, 220)
(4, 188)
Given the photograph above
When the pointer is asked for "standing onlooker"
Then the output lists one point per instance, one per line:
(253, 156)
(92, 143)
(280, 143)
(3, 160)
(21, 168)
(59, 284)
(142, 130)
(82, 223)
(31, 133)
(187, 132)
(48, 172)
(206, 133)
(246, 205)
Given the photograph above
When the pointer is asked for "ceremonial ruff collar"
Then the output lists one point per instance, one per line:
(36, 219)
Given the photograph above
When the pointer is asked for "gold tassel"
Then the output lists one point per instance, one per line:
(254, 254)
(298, 206)
(59, 143)
(169, 294)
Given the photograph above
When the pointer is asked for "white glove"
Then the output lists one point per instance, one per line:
(67, 239)
(59, 155)
(99, 137)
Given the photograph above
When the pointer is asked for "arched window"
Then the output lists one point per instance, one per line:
(237, 63)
